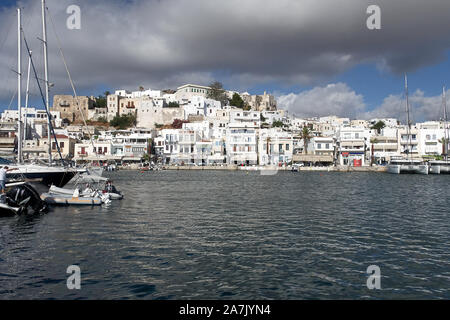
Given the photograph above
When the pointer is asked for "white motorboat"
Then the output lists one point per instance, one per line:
(87, 192)
(439, 167)
(398, 166)
(64, 199)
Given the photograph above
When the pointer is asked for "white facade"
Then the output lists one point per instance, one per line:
(241, 143)
(275, 147)
(353, 144)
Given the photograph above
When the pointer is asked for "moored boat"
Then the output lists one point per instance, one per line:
(21, 199)
(65, 199)
(400, 166)
(439, 167)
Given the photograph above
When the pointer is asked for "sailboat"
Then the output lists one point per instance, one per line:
(407, 164)
(443, 166)
(50, 174)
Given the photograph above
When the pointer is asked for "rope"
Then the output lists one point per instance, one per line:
(71, 82)
(12, 99)
(43, 99)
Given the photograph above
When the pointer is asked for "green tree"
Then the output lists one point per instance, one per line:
(373, 141)
(217, 92)
(262, 118)
(378, 126)
(100, 102)
(306, 136)
(173, 104)
(237, 101)
(123, 122)
(444, 143)
(146, 157)
(277, 124)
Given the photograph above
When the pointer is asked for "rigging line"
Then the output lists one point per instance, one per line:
(12, 99)
(43, 99)
(6, 38)
(71, 82)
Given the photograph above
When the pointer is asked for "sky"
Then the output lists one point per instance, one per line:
(316, 56)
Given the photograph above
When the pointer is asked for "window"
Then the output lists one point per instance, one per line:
(319, 146)
(287, 147)
(61, 145)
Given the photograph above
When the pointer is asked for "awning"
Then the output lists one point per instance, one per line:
(312, 158)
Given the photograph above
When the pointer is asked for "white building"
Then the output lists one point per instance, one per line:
(241, 143)
(200, 106)
(275, 147)
(353, 144)
(186, 92)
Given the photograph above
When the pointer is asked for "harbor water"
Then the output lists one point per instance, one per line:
(239, 235)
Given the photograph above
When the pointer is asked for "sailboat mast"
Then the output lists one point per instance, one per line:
(19, 85)
(27, 97)
(47, 104)
(446, 133)
(408, 130)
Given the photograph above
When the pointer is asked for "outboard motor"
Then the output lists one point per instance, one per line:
(26, 197)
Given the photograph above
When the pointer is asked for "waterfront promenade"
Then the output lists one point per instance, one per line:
(269, 168)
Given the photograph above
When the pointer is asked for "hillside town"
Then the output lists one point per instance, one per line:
(209, 126)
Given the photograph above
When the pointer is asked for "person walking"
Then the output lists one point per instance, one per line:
(3, 171)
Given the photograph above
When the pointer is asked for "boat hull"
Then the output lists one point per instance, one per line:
(61, 199)
(435, 169)
(440, 167)
(56, 190)
(46, 176)
(8, 211)
(411, 169)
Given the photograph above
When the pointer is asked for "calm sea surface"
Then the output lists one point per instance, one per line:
(238, 235)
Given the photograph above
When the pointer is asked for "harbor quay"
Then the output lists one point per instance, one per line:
(381, 169)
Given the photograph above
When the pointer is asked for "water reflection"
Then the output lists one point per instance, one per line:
(234, 235)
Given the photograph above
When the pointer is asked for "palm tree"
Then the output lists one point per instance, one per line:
(444, 143)
(141, 88)
(373, 141)
(306, 136)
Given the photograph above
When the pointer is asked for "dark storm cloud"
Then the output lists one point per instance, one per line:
(166, 43)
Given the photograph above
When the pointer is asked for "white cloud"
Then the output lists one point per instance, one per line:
(421, 108)
(340, 100)
(334, 99)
